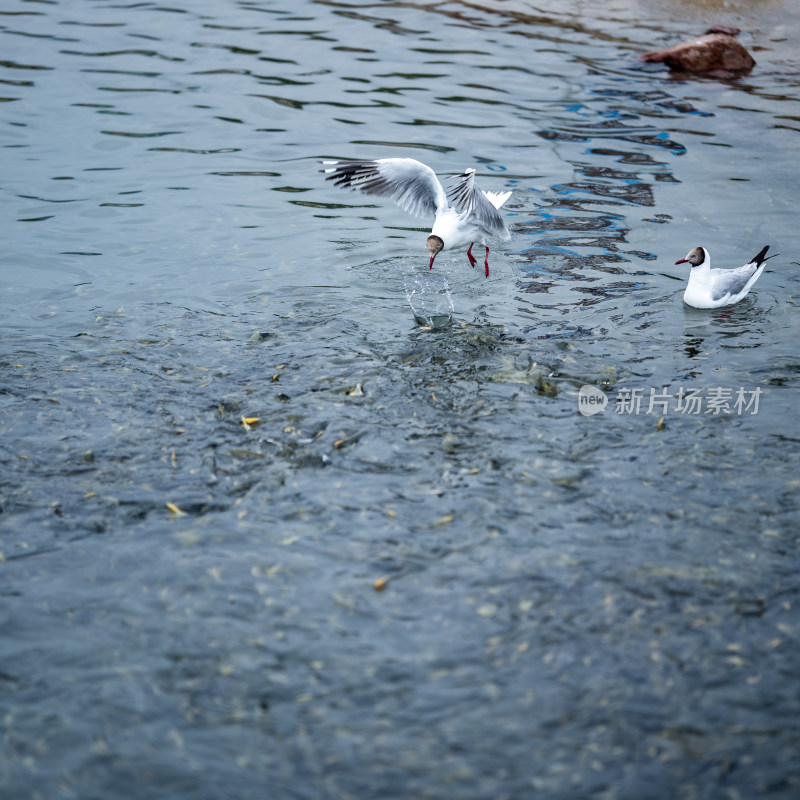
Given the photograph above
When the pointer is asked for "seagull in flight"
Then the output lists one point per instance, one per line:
(464, 214)
(712, 288)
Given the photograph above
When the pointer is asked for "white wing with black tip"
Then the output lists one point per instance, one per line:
(408, 182)
(733, 282)
(481, 207)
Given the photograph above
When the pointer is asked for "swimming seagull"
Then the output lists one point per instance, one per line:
(711, 288)
(464, 214)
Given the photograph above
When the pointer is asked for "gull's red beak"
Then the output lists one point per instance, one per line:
(680, 261)
(435, 245)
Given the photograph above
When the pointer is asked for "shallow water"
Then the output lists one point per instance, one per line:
(262, 530)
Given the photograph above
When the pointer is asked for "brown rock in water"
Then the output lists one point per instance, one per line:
(714, 52)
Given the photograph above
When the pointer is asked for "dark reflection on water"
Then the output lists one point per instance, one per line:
(262, 530)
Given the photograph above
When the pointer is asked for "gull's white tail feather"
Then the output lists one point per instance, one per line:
(497, 198)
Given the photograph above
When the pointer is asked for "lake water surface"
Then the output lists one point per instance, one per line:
(264, 533)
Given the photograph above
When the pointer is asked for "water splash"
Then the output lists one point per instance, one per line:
(430, 299)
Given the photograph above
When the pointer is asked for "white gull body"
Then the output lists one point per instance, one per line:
(463, 215)
(712, 288)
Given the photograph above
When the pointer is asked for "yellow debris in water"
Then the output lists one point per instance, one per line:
(250, 422)
(380, 584)
(660, 424)
(178, 512)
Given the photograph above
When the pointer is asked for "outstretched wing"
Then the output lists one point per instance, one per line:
(410, 183)
(478, 207)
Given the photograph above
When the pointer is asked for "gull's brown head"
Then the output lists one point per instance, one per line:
(694, 257)
(434, 245)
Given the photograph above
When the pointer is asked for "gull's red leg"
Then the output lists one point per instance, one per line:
(472, 259)
(486, 260)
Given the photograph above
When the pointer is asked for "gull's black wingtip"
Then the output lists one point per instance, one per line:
(761, 256)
